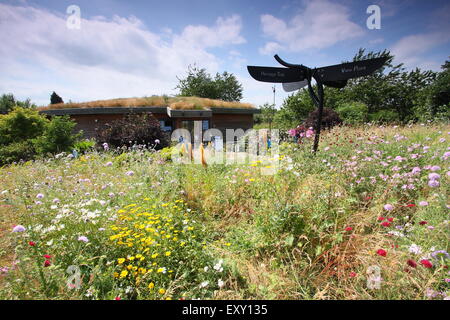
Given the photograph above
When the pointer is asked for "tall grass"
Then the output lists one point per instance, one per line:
(313, 230)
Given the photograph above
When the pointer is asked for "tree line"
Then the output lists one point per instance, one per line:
(391, 94)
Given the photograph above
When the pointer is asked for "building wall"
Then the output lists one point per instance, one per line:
(231, 121)
(89, 122)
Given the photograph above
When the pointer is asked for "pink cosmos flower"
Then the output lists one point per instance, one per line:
(388, 207)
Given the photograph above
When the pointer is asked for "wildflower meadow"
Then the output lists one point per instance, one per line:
(367, 217)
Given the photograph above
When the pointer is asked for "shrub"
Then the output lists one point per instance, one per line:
(329, 119)
(140, 129)
(57, 136)
(21, 124)
(24, 134)
(353, 112)
(384, 116)
(16, 151)
(84, 146)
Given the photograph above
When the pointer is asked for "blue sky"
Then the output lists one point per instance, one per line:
(138, 48)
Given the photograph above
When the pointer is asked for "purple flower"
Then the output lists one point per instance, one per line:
(129, 173)
(423, 203)
(388, 207)
(433, 183)
(416, 170)
(19, 228)
(435, 168)
(83, 238)
(434, 176)
(109, 164)
(440, 254)
(39, 196)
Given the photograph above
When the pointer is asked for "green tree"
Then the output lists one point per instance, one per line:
(295, 108)
(8, 102)
(199, 83)
(54, 98)
(268, 112)
(439, 93)
(388, 88)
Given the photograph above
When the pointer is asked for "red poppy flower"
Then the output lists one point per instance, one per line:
(46, 256)
(390, 219)
(352, 274)
(426, 263)
(381, 218)
(117, 298)
(31, 243)
(410, 205)
(411, 263)
(423, 223)
(386, 224)
(47, 263)
(368, 198)
(381, 252)
(348, 229)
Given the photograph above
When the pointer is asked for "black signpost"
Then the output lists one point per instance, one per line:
(296, 76)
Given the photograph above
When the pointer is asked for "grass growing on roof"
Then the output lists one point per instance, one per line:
(178, 103)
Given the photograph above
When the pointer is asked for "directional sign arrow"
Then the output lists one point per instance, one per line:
(276, 75)
(345, 71)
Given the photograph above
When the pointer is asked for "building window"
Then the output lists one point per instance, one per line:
(205, 125)
(166, 125)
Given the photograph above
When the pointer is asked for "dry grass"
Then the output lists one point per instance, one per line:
(178, 103)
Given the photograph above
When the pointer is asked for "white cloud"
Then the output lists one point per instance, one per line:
(376, 41)
(410, 50)
(106, 58)
(321, 24)
(270, 48)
